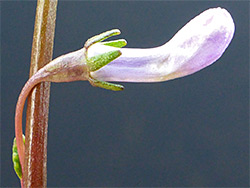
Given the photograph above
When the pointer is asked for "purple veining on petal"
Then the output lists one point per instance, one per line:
(198, 44)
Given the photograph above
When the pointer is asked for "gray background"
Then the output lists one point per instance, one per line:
(191, 131)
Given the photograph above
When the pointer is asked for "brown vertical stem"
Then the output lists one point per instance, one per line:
(35, 162)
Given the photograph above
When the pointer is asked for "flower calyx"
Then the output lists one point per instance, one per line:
(98, 61)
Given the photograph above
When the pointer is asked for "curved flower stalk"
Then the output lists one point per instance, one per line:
(67, 68)
(197, 45)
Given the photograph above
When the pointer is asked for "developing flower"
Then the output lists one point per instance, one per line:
(197, 45)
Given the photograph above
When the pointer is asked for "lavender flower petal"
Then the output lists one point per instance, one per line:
(197, 45)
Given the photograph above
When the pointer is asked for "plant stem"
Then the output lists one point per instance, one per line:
(35, 162)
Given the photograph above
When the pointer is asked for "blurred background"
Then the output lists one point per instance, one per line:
(187, 132)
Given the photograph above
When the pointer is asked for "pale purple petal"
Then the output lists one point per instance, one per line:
(198, 44)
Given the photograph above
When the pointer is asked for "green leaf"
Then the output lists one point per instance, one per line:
(101, 37)
(98, 61)
(105, 85)
(15, 159)
(116, 43)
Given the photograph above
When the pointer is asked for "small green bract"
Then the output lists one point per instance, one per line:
(15, 159)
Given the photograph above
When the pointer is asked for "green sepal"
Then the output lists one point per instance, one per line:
(116, 43)
(15, 159)
(105, 85)
(96, 62)
(101, 37)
